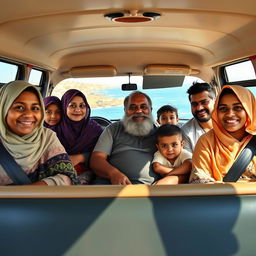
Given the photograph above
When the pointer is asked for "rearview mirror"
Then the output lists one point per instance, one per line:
(129, 87)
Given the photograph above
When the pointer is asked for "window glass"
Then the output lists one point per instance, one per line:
(252, 89)
(106, 97)
(240, 72)
(8, 72)
(35, 77)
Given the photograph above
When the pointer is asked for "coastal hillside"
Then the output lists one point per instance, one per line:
(92, 91)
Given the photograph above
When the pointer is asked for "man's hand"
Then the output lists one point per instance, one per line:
(104, 169)
(119, 178)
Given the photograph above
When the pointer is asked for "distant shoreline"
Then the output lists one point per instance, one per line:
(95, 100)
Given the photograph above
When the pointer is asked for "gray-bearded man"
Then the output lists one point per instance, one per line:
(125, 149)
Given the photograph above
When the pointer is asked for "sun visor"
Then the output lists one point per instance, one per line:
(169, 70)
(153, 82)
(91, 71)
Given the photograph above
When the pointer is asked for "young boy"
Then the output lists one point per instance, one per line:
(167, 115)
(171, 161)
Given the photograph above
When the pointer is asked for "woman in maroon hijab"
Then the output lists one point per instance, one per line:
(76, 131)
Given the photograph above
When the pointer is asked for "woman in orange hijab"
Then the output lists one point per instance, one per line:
(234, 124)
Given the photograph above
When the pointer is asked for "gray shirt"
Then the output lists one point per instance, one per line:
(132, 155)
(191, 133)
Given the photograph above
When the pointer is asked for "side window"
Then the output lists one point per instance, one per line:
(242, 71)
(8, 72)
(35, 77)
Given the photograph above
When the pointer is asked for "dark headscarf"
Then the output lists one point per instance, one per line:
(77, 136)
(48, 101)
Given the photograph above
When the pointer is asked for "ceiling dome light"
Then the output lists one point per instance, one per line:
(132, 16)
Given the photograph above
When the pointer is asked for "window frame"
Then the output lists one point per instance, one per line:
(20, 74)
(245, 83)
(23, 73)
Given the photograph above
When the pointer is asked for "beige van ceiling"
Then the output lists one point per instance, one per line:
(59, 35)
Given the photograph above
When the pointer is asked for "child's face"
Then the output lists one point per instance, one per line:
(170, 146)
(52, 114)
(232, 115)
(168, 118)
(24, 114)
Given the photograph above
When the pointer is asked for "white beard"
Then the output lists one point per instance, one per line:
(138, 129)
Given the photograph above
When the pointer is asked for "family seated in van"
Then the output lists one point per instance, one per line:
(171, 161)
(124, 151)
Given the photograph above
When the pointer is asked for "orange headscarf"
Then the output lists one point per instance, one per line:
(217, 150)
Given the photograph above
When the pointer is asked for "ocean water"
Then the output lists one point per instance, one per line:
(177, 97)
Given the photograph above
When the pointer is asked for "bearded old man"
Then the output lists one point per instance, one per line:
(125, 149)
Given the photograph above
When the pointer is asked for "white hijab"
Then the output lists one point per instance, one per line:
(27, 149)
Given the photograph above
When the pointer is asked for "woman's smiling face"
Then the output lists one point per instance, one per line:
(232, 115)
(76, 109)
(25, 113)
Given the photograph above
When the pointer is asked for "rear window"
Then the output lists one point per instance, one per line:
(106, 97)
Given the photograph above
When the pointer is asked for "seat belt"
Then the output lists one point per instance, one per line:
(242, 161)
(13, 170)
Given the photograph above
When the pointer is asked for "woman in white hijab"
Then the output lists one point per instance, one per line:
(35, 148)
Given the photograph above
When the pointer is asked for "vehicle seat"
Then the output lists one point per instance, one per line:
(104, 122)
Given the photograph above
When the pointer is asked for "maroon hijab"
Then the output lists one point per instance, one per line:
(48, 101)
(77, 136)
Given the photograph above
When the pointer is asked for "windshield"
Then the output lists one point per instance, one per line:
(106, 97)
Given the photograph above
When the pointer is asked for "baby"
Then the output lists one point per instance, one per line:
(171, 161)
